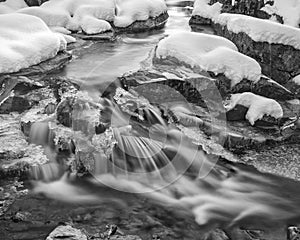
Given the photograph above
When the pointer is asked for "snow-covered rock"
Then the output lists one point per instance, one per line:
(25, 41)
(209, 53)
(260, 30)
(129, 11)
(76, 15)
(275, 46)
(258, 106)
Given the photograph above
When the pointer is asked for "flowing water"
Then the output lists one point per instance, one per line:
(166, 167)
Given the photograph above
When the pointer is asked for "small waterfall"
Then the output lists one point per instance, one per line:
(164, 165)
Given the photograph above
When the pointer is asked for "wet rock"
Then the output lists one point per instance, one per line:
(149, 24)
(80, 112)
(66, 232)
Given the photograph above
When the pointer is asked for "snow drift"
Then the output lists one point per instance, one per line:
(209, 53)
(258, 106)
(26, 40)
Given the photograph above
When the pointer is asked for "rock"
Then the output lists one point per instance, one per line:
(264, 87)
(238, 113)
(80, 112)
(281, 159)
(25, 95)
(197, 21)
(66, 232)
(102, 37)
(142, 26)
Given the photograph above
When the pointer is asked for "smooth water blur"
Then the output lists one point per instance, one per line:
(174, 172)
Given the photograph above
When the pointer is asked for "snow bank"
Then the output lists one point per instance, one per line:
(129, 11)
(10, 6)
(258, 106)
(288, 9)
(91, 16)
(25, 41)
(203, 9)
(210, 53)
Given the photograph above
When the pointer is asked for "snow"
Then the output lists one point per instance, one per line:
(26, 40)
(288, 9)
(10, 6)
(203, 9)
(297, 80)
(260, 30)
(91, 16)
(129, 11)
(258, 106)
(209, 53)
